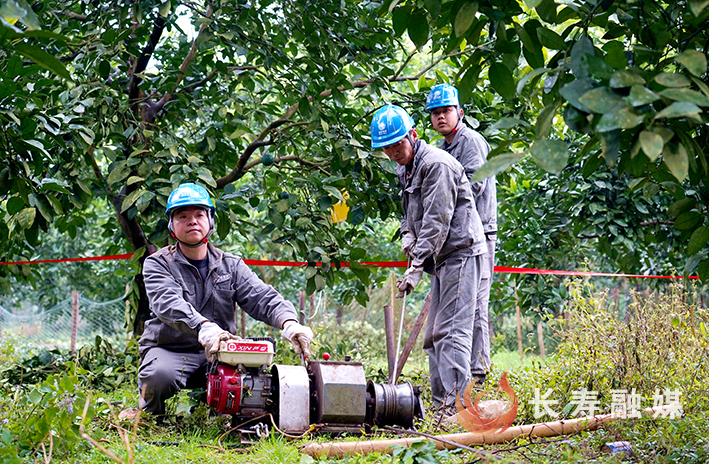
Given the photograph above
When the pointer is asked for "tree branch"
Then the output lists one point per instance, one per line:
(243, 164)
(185, 64)
(143, 60)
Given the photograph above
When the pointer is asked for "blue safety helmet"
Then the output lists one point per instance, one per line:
(190, 194)
(442, 95)
(390, 124)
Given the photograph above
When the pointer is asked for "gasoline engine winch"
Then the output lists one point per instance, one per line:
(333, 396)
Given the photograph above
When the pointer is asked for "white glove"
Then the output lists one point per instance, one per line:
(411, 279)
(213, 338)
(299, 335)
(408, 242)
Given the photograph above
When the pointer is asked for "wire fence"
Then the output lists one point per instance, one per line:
(53, 328)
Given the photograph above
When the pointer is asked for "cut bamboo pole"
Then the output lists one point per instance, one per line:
(542, 430)
(389, 335)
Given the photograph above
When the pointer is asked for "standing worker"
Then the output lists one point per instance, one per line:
(443, 235)
(471, 149)
(193, 288)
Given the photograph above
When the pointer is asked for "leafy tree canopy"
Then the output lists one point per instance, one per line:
(267, 103)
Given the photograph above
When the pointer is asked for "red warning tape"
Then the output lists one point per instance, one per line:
(66, 260)
(257, 262)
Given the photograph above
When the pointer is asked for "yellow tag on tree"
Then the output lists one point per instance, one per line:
(340, 209)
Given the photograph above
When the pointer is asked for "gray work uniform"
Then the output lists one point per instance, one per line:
(171, 356)
(471, 149)
(439, 210)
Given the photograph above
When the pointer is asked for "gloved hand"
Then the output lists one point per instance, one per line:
(299, 335)
(411, 278)
(214, 339)
(408, 242)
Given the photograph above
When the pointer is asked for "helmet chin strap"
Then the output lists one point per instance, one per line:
(198, 244)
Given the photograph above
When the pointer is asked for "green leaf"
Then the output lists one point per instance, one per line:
(698, 240)
(575, 89)
(38, 145)
(675, 157)
(686, 95)
(496, 165)
(652, 144)
(205, 175)
(418, 28)
(544, 121)
(14, 205)
(547, 11)
(501, 80)
(400, 20)
(528, 76)
(165, 8)
(680, 110)
(26, 217)
(600, 100)
(681, 206)
(550, 39)
(688, 220)
(694, 60)
(464, 18)
(581, 48)
(20, 10)
(615, 52)
(120, 171)
(703, 271)
(697, 6)
(550, 155)
(53, 184)
(622, 118)
(640, 96)
(334, 192)
(356, 215)
(130, 199)
(672, 80)
(507, 122)
(625, 79)
(532, 3)
(43, 59)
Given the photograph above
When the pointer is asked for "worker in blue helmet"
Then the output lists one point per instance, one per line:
(470, 148)
(194, 289)
(443, 236)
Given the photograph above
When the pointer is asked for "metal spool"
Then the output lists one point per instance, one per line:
(393, 404)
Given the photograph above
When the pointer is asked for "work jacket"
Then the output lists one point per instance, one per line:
(180, 301)
(439, 208)
(471, 149)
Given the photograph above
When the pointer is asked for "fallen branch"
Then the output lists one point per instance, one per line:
(545, 429)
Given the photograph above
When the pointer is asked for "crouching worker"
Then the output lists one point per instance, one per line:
(193, 287)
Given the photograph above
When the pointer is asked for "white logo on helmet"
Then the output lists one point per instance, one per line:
(382, 125)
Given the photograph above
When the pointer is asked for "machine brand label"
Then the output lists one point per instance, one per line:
(247, 347)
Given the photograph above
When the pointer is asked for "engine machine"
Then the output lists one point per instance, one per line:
(333, 395)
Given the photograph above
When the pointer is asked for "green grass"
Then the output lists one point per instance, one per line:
(664, 344)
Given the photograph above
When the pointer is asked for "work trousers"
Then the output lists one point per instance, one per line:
(163, 373)
(480, 353)
(448, 338)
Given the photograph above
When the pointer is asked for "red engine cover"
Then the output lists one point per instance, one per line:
(224, 390)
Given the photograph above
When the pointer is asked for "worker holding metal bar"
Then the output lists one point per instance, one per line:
(471, 149)
(443, 236)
